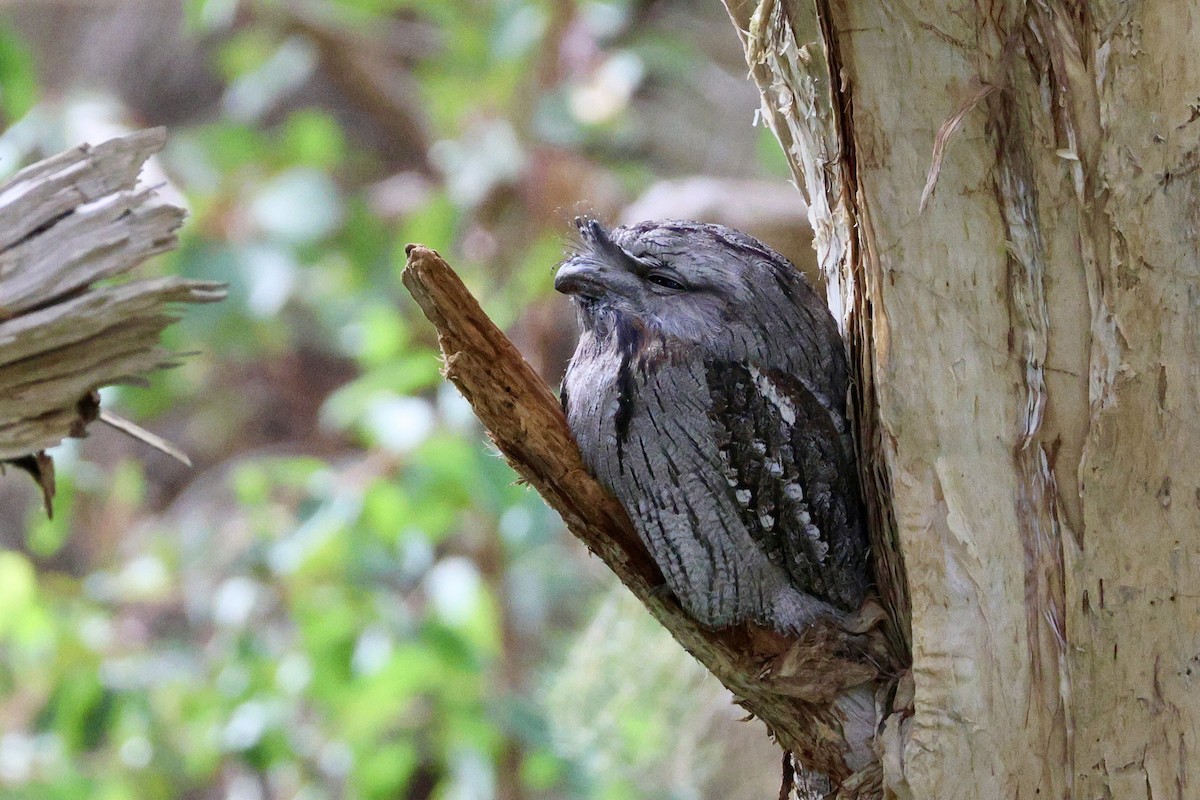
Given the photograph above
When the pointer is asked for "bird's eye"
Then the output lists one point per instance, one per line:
(665, 281)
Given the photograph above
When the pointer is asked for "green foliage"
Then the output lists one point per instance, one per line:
(352, 599)
(18, 82)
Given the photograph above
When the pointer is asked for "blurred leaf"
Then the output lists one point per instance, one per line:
(386, 769)
(378, 337)
(299, 205)
(18, 586)
(18, 79)
(207, 15)
(352, 404)
(232, 146)
(534, 278)
(247, 50)
(434, 226)
(263, 74)
(770, 153)
(518, 30)
(79, 711)
(385, 506)
(312, 138)
(251, 484)
(45, 536)
(541, 770)
(128, 485)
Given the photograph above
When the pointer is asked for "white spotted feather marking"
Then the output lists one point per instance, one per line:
(768, 389)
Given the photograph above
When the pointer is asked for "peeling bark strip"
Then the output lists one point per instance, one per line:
(810, 692)
(66, 224)
(1036, 493)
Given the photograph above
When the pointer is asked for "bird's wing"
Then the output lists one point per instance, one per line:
(790, 478)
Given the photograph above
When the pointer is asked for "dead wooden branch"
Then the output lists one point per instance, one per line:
(68, 226)
(799, 689)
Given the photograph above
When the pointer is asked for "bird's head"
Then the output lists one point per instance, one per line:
(685, 280)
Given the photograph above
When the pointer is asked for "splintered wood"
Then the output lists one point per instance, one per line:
(69, 225)
(798, 689)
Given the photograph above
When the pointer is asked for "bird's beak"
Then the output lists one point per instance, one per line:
(580, 275)
(593, 273)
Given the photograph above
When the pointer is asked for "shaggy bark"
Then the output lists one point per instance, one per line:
(805, 691)
(68, 226)
(1006, 200)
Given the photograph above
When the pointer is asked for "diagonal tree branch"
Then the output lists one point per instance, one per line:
(798, 688)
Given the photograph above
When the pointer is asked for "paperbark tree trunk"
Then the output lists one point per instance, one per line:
(1028, 343)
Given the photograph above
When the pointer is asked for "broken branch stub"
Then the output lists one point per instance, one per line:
(70, 225)
(797, 687)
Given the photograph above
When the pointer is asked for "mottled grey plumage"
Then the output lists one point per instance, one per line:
(708, 394)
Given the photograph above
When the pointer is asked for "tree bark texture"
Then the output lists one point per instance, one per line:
(69, 225)
(1006, 198)
(810, 692)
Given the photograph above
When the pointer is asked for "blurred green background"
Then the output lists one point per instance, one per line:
(349, 596)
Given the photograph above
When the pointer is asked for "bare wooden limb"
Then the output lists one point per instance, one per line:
(67, 224)
(799, 689)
